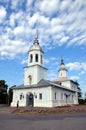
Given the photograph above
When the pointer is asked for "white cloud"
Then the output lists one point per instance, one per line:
(64, 39)
(46, 61)
(47, 7)
(77, 66)
(2, 14)
(15, 4)
(57, 22)
(29, 4)
(24, 61)
(12, 20)
(17, 18)
(75, 77)
(51, 59)
(52, 75)
(11, 46)
(18, 30)
(65, 4)
(82, 72)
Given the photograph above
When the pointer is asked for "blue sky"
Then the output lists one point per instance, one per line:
(62, 33)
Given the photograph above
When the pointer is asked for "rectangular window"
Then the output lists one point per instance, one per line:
(72, 97)
(55, 96)
(61, 96)
(40, 96)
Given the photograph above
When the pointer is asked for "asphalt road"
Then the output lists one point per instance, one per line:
(48, 122)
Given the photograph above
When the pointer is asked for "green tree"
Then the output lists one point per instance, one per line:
(85, 96)
(3, 92)
(79, 93)
(80, 99)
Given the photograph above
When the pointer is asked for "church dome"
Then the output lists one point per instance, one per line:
(36, 45)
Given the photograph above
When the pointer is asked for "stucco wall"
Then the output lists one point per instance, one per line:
(63, 97)
(48, 97)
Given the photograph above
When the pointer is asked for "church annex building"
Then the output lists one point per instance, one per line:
(37, 91)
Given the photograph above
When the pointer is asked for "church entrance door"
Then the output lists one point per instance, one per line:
(30, 99)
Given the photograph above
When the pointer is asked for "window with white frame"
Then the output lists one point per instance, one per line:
(40, 96)
(21, 96)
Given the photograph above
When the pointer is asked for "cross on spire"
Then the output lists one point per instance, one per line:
(36, 38)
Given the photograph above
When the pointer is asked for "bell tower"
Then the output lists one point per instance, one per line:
(62, 70)
(35, 71)
(35, 53)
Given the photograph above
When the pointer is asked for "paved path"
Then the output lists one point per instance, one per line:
(9, 121)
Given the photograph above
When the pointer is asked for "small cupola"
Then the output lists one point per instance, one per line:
(62, 70)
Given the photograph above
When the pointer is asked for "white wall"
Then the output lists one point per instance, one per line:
(16, 97)
(37, 72)
(61, 99)
(48, 97)
(66, 84)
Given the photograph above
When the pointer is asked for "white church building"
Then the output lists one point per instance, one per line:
(37, 91)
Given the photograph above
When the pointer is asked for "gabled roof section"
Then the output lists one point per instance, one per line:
(43, 82)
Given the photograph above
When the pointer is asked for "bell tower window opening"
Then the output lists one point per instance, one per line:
(41, 59)
(31, 58)
(36, 57)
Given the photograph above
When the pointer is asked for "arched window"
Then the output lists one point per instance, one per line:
(30, 79)
(31, 58)
(21, 96)
(36, 57)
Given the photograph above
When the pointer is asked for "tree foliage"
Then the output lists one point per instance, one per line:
(3, 92)
(79, 93)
